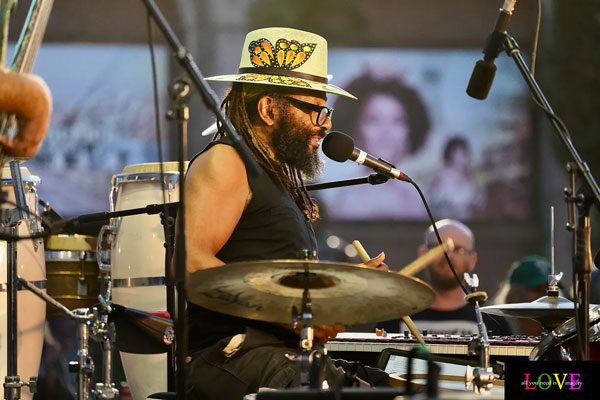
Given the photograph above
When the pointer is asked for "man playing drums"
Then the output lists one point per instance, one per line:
(277, 105)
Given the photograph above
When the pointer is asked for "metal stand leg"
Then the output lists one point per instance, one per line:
(84, 366)
(103, 331)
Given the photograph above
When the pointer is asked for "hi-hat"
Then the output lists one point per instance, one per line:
(340, 293)
(550, 311)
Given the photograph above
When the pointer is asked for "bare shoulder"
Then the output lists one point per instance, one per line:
(221, 162)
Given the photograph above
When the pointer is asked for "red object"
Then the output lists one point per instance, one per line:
(164, 314)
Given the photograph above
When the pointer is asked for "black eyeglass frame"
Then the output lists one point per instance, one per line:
(323, 112)
(461, 251)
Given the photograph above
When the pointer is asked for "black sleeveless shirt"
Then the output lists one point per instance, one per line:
(271, 227)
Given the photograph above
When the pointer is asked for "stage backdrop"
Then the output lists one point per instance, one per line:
(102, 120)
(472, 159)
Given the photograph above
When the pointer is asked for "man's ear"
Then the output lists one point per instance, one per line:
(265, 107)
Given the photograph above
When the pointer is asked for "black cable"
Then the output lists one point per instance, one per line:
(437, 234)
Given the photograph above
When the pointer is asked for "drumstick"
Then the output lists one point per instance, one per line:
(422, 262)
(406, 319)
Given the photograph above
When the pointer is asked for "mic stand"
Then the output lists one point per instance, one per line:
(180, 112)
(590, 194)
(167, 220)
(582, 256)
(186, 61)
(373, 179)
(150, 209)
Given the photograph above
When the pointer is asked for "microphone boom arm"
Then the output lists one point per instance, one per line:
(373, 179)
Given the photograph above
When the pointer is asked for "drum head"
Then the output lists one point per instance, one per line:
(153, 167)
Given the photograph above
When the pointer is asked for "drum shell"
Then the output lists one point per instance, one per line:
(138, 267)
(31, 310)
(63, 270)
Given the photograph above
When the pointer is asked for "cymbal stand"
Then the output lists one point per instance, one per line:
(553, 278)
(579, 204)
(94, 321)
(84, 366)
(104, 332)
(308, 356)
(312, 360)
(481, 377)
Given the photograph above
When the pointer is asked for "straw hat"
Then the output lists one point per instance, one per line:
(284, 57)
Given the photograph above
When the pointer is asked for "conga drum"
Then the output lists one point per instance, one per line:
(72, 272)
(30, 264)
(137, 261)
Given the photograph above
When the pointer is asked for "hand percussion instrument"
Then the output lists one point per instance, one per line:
(31, 310)
(137, 261)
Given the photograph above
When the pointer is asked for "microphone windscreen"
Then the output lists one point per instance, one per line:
(338, 146)
(481, 79)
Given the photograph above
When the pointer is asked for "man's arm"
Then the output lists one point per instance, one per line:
(29, 98)
(216, 194)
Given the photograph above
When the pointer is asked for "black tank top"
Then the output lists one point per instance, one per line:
(271, 227)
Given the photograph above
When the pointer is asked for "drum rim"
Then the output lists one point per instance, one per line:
(138, 282)
(69, 255)
(143, 177)
(33, 179)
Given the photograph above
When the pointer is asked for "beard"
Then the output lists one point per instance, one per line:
(291, 146)
(443, 282)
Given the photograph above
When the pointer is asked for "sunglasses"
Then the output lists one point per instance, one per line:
(322, 112)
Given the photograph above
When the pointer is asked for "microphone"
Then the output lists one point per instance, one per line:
(340, 147)
(485, 70)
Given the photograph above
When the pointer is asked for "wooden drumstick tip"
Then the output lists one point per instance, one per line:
(362, 253)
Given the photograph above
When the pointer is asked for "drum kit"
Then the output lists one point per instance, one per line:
(115, 288)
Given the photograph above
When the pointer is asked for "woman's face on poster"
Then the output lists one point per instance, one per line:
(383, 127)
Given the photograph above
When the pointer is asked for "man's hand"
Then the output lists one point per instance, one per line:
(321, 333)
(377, 263)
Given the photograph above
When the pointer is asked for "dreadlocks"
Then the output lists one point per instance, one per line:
(240, 107)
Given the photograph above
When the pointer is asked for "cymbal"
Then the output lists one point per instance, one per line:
(550, 311)
(340, 293)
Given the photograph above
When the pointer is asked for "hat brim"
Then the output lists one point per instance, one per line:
(285, 81)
